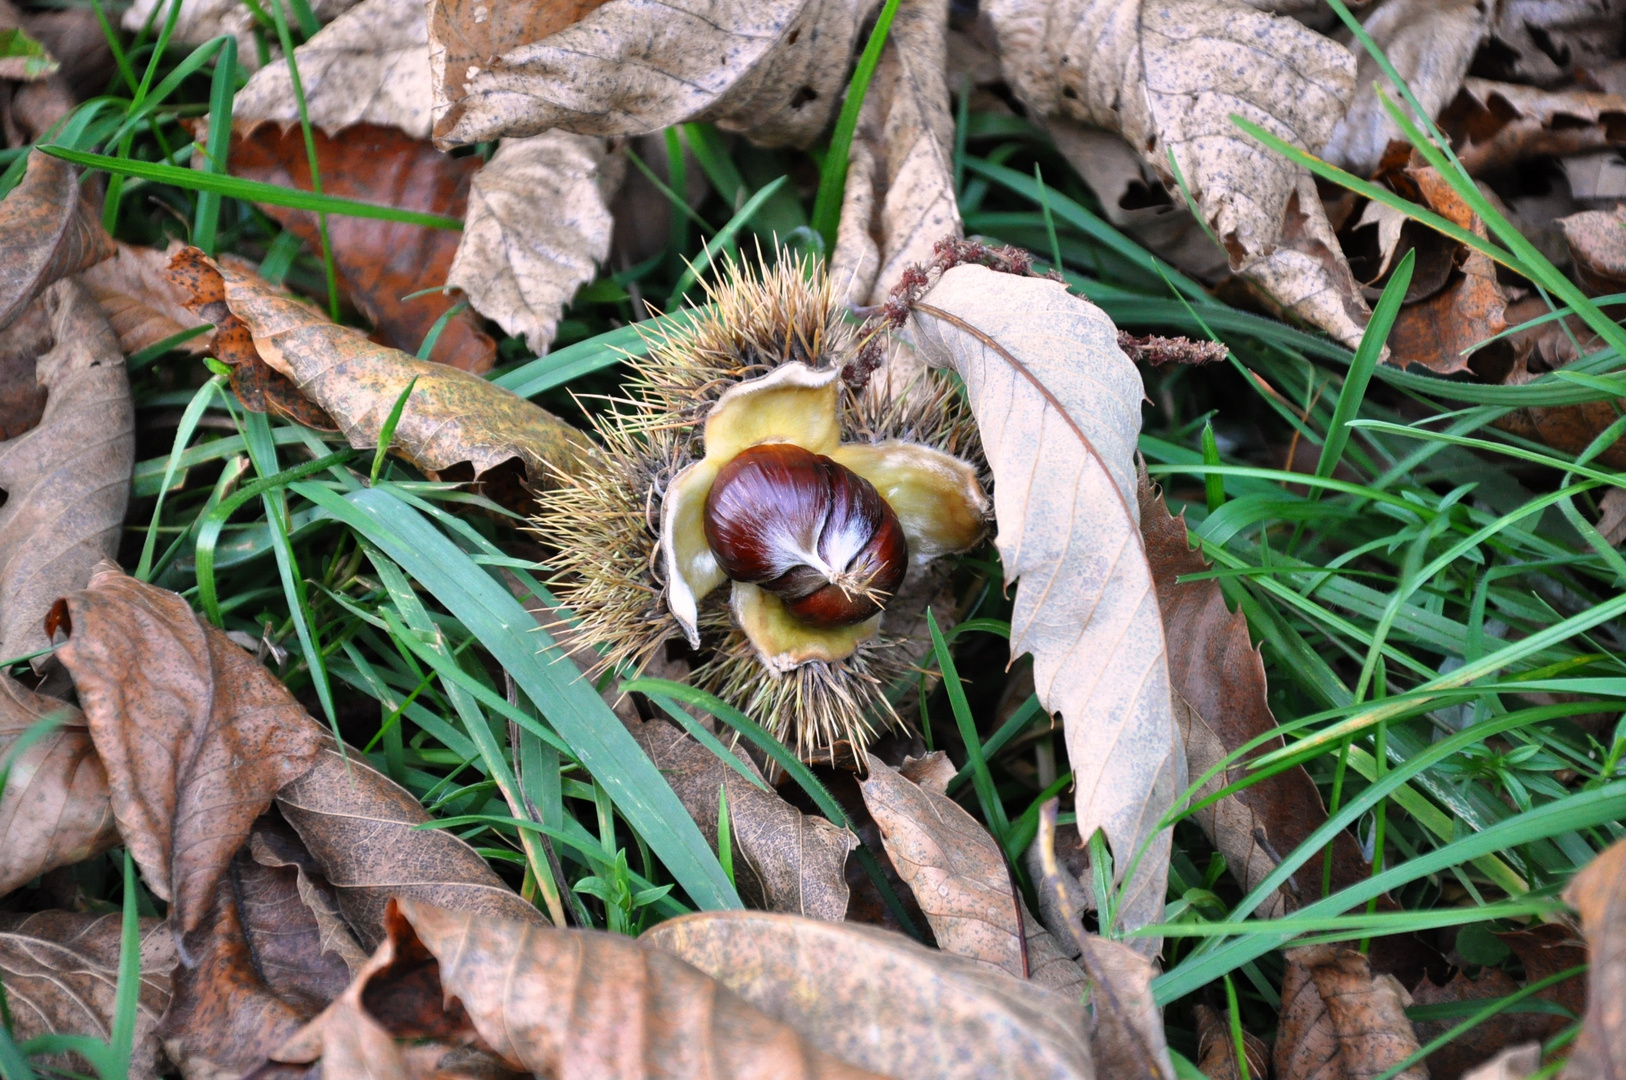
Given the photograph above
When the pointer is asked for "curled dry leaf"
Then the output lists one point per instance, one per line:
(1168, 75)
(378, 262)
(1340, 1023)
(452, 417)
(67, 481)
(538, 221)
(392, 856)
(1599, 894)
(1221, 704)
(1216, 1048)
(1497, 125)
(60, 972)
(1430, 44)
(368, 66)
(1055, 398)
(196, 736)
(54, 808)
(960, 879)
(142, 304)
(784, 860)
(899, 198)
(51, 229)
(561, 1003)
(1544, 41)
(22, 399)
(773, 69)
(884, 1002)
(1597, 243)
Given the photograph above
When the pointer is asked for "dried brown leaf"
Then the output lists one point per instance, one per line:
(54, 809)
(452, 417)
(1597, 243)
(196, 736)
(959, 876)
(538, 221)
(391, 856)
(1430, 43)
(784, 860)
(884, 1002)
(22, 398)
(67, 481)
(1168, 75)
(1340, 1023)
(51, 228)
(1544, 41)
(1598, 892)
(1482, 1042)
(1498, 125)
(142, 304)
(899, 198)
(1216, 1048)
(1219, 681)
(60, 972)
(1058, 407)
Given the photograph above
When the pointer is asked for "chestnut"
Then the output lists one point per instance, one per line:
(808, 530)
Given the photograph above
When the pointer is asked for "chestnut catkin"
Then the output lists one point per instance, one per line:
(812, 532)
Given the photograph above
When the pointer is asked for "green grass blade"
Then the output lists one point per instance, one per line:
(833, 175)
(993, 811)
(1366, 361)
(183, 435)
(222, 91)
(724, 240)
(386, 434)
(127, 995)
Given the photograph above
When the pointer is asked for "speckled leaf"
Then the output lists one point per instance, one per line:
(1057, 405)
(1339, 1022)
(1168, 75)
(67, 481)
(883, 1001)
(49, 228)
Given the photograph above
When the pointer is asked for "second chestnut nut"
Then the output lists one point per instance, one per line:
(808, 530)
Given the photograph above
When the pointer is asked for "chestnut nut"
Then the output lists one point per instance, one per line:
(811, 531)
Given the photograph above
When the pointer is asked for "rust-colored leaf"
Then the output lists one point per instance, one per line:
(885, 1002)
(554, 1003)
(1216, 1048)
(60, 972)
(959, 876)
(141, 302)
(391, 856)
(67, 481)
(379, 262)
(1339, 1022)
(54, 810)
(51, 228)
(784, 860)
(196, 736)
(1599, 894)
(1570, 428)
(1219, 679)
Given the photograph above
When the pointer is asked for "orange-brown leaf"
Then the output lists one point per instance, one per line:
(141, 302)
(49, 228)
(1340, 1023)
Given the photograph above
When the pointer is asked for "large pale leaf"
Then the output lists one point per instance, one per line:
(195, 734)
(1599, 894)
(960, 879)
(68, 480)
(1168, 75)
(60, 971)
(878, 999)
(1058, 408)
(54, 810)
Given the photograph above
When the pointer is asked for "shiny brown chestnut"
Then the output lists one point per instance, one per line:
(812, 532)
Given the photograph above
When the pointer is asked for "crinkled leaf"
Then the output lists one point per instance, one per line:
(1340, 1023)
(49, 228)
(142, 304)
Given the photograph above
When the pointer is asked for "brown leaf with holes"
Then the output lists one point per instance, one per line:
(142, 304)
(1219, 679)
(1495, 126)
(51, 227)
(391, 856)
(1437, 330)
(885, 1002)
(1216, 1048)
(960, 879)
(1597, 243)
(378, 262)
(67, 481)
(60, 971)
(195, 734)
(784, 860)
(452, 417)
(550, 1002)
(1340, 1023)
(1598, 892)
(54, 808)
